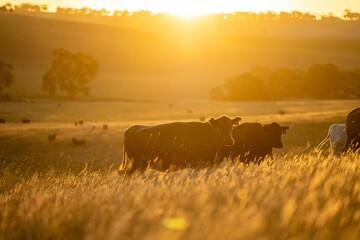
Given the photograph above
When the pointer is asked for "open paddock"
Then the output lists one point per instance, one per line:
(56, 190)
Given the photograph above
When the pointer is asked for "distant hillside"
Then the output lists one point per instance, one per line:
(170, 60)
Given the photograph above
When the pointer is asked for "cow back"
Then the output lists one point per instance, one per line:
(178, 143)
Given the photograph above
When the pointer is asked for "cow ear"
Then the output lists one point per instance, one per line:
(236, 121)
(212, 121)
(285, 129)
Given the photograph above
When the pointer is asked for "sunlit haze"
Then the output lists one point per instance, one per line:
(200, 7)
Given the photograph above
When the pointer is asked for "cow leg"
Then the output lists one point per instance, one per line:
(135, 164)
(353, 143)
(347, 146)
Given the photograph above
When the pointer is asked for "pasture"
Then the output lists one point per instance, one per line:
(55, 190)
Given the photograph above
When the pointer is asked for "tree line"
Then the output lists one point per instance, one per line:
(318, 81)
(70, 72)
(24, 7)
(269, 15)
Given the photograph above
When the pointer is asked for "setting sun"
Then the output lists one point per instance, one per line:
(179, 119)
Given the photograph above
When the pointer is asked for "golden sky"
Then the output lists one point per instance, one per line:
(198, 7)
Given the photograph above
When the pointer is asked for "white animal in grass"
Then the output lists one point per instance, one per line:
(337, 138)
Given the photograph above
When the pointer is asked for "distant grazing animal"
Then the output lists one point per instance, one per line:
(254, 141)
(337, 138)
(2, 120)
(105, 126)
(353, 130)
(175, 144)
(75, 123)
(77, 142)
(51, 137)
(281, 112)
(81, 122)
(25, 120)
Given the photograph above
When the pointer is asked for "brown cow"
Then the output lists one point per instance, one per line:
(52, 137)
(254, 141)
(78, 142)
(25, 120)
(176, 144)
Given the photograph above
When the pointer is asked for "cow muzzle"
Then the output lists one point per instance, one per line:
(229, 142)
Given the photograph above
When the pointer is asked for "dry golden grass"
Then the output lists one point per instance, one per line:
(60, 191)
(297, 197)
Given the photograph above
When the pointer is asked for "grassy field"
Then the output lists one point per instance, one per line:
(54, 190)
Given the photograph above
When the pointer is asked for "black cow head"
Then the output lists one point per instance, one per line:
(224, 124)
(273, 132)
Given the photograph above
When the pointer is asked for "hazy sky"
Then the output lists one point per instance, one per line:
(195, 7)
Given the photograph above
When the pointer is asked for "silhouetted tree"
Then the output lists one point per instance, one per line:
(101, 12)
(351, 84)
(271, 15)
(324, 81)
(7, 8)
(285, 83)
(27, 7)
(308, 16)
(320, 81)
(351, 15)
(70, 72)
(329, 16)
(284, 15)
(6, 75)
(297, 15)
(61, 10)
(85, 11)
(244, 87)
(262, 73)
(121, 13)
(43, 7)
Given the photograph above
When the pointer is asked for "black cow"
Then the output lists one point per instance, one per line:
(78, 142)
(353, 130)
(254, 141)
(52, 137)
(2, 120)
(25, 120)
(176, 144)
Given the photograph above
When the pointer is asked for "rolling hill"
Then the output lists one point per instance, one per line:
(169, 60)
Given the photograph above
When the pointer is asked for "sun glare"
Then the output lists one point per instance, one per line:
(264, 6)
(188, 13)
(109, 5)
